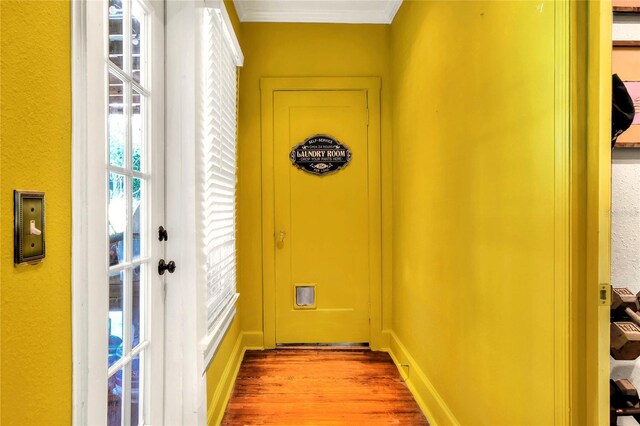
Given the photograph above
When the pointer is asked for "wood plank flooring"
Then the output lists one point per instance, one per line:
(320, 386)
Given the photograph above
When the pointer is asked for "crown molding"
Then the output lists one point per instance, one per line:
(391, 8)
(349, 12)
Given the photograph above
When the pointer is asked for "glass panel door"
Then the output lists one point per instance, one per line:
(135, 208)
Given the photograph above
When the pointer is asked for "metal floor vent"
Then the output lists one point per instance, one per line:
(305, 296)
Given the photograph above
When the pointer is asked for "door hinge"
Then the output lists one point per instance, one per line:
(604, 297)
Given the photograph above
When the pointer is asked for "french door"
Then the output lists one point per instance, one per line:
(125, 86)
(135, 209)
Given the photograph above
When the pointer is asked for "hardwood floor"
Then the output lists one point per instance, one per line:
(336, 386)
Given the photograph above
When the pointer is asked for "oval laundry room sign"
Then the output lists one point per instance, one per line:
(320, 155)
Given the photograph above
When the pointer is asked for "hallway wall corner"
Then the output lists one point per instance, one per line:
(222, 373)
(425, 394)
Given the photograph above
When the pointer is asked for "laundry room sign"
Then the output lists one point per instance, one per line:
(320, 155)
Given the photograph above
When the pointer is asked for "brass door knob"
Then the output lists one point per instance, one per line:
(281, 236)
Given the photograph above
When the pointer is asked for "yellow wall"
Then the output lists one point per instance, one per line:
(472, 159)
(36, 155)
(473, 205)
(298, 50)
(231, 10)
(221, 373)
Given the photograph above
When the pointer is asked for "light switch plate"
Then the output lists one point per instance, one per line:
(29, 227)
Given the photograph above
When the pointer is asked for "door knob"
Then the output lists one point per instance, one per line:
(281, 236)
(170, 266)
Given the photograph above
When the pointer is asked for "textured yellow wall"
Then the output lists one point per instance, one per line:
(298, 50)
(36, 155)
(473, 204)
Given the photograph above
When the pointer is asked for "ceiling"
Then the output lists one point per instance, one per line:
(321, 11)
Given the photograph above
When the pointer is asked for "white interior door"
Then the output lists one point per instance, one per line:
(125, 134)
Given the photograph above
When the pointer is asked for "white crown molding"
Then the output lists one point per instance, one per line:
(392, 7)
(348, 12)
(241, 10)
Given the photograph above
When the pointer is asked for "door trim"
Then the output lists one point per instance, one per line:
(562, 220)
(371, 85)
(596, 149)
(88, 193)
(79, 213)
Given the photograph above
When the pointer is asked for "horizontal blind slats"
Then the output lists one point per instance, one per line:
(218, 168)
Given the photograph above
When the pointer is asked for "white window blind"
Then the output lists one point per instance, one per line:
(217, 175)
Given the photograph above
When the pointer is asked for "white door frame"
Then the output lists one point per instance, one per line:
(82, 242)
(185, 397)
(88, 236)
(186, 327)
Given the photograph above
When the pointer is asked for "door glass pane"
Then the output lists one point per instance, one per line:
(117, 218)
(137, 42)
(114, 399)
(128, 206)
(138, 220)
(137, 295)
(135, 391)
(117, 122)
(116, 32)
(137, 130)
(116, 316)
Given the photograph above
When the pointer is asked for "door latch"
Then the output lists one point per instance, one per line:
(604, 296)
(162, 234)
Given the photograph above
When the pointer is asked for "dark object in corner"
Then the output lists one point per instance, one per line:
(622, 110)
(623, 401)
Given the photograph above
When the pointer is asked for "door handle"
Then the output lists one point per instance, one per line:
(170, 266)
(281, 236)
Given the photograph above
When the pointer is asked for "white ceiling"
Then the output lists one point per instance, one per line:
(323, 11)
